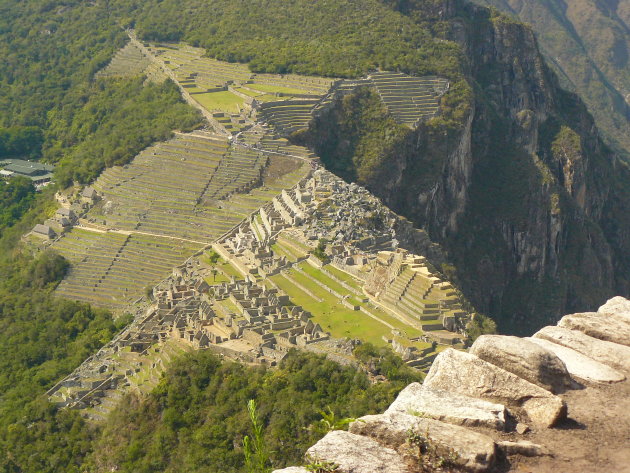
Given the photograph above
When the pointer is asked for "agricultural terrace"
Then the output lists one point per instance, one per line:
(284, 101)
(174, 198)
(409, 99)
(129, 61)
(111, 269)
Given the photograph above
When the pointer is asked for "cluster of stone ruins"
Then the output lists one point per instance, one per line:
(126, 230)
(249, 318)
(483, 406)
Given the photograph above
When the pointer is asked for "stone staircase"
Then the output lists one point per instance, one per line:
(409, 293)
(558, 401)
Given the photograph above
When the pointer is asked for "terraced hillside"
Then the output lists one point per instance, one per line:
(231, 91)
(409, 99)
(179, 196)
(111, 269)
(127, 62)
(421, 296)
(175, 198)
(166, 189)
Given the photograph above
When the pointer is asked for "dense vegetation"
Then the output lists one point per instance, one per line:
(196, 419)
(16, 196)
(51, 107)
(330, 37)
(43, 339)
(354, 147)
(54, 110)
(118, 119)
(20, 142)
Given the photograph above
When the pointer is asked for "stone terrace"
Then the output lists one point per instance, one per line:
(111, 269)
(172, 200)
(129, 61)
(238, 319)
(409, 99)
(160, 190)
(277, 244)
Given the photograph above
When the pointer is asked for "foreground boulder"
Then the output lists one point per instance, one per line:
(608, 353)
(525, 359)
(473, 451)
(469, 375)
(448, 407)
(292, 469)
(617, 306)
(603, 326)
(581, 366)
(356, 454)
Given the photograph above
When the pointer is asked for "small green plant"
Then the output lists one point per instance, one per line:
(255, 450)
(320, 251)
(213, 259)
(320, 466)
(329, 421)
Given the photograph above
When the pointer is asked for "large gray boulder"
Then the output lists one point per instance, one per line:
(617, 306)
(581, 366)
(465, 373)
(525, 359)
(603, 326)
(474, 451)
(356, 454)
(448, 407)
(608, 353)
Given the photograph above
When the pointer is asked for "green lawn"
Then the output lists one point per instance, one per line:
(408, 330)
(272, 89)
(286, 250)
(321, 277)
(218, 279)
(224, 101)
(193, 89)
(230, 270)
(331, 315)
(250, 93)
(343, 276)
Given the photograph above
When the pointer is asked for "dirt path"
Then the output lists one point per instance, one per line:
(595, 438)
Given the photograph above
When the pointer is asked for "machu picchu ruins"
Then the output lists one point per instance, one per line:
(270, 251)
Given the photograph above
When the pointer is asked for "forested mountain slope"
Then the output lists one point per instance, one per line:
(587, 42)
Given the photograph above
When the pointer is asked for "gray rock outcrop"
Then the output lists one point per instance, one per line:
(581, 366)
(522, 447)
(474, 451)
(607, 327)
(617, 306)
(524, 359)
(451, 417)
(356, 454)
(448, 407)
(609, 353)
(469, 375)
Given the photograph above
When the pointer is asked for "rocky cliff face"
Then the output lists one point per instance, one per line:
(587, 42)
(524, 195)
